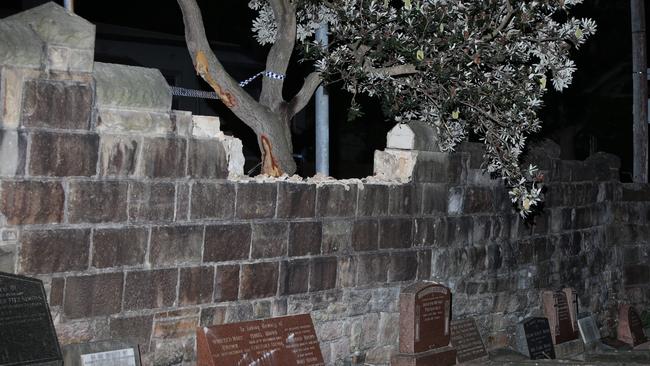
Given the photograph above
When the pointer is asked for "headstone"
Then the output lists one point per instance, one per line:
(425, 331)
(558, 313)
(630, 327)
(284, 341)
(102, 353)
(572, 300)
(27, 335)
(589, 330)
(534, 339)
(467, 341)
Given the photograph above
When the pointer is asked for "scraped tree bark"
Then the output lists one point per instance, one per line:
(271, 115)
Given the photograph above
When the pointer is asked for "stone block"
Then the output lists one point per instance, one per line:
(337, 236)
(373, 200)
(51, 251)
(13, 149)
(371, 269)
(227, 242)
(118, 155)
(8, 253)
(269, 240)
(56, 291)
(151, 201)
(478, 200)
(182, 122)
(135, 329)
(20, 45)
(403, 266)
(305, 238)
(323, 274)
(57, 104)
(207, 159)
(206, 126)
(119, 247)
(336, 200)
(395, 233)
(196, 286)
(150, 289)
(435, 199)
(162, 158)
(365, 235)
(636, 274)
(131, 88)
(63, 155)
(182, 208)
(413, 135)
(259, 280)
(226, 283)
(133, 122)
(424, 264)
(347, 272)
(256, 200)
(172, 245)
(294, 277)
(58, 28)
(441, 168)
(95, 295)
(296, 200)
(402, 200)
(175, 328)
(212, 201)
(395, 164)
(31, 202)
(213, 316)
(97, 201)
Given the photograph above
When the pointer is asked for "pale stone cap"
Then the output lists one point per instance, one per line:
(413, 135)
(131, 88)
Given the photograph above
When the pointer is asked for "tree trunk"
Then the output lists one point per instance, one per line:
(269, 117)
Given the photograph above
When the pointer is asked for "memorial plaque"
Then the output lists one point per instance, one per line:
(589, 330)
(284, 341)
(467, 341)
(534, 339)
(425, 313)
(630, 327)
(102, 353)
(27, 335)
(556, 310)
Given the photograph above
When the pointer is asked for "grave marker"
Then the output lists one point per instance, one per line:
(630, 327)
(467, 341)
(27, 334)
(534, 339)
(589, 330)
(284, 341)
(425, 331)
(102, 353)
(558, 313)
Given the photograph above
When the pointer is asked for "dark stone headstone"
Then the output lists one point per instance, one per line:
(27, 335)
(425, 332)
(467, 341)
(558, 312)
(630, 327)
(113, 353)
(534, 339)
(284, 341)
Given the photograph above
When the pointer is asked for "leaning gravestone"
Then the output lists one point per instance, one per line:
(27, 335)
(425, 332)
(630, 327)
(102, 353)
(534, 339)
(284, 341)
(467, 341)
(589, 330)
(561, 310)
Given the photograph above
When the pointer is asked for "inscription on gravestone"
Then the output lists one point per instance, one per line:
(27, 334)
(572, 300)
(534, 339)
(102, 353)
(556, 309)
(284, 341)
(630, 327)
(467, 341)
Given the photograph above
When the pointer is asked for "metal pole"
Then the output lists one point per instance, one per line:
(322, 117)
(69, 5)
(640, 89)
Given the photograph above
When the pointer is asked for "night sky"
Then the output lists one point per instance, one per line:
(594, 114)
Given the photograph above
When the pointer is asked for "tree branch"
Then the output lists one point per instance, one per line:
(397, 70)
(280, 53)
(303, 97)
(210, 69)
(504, 23)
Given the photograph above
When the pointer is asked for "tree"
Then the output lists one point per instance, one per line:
(464, 66)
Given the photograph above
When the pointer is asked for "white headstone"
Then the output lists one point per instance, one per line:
(589, 330)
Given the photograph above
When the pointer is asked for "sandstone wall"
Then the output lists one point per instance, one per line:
(125, 209)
